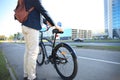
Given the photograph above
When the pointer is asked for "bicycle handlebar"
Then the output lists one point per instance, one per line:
(53, 31)
(47, 28)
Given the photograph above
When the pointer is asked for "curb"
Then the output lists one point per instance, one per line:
(10, 70)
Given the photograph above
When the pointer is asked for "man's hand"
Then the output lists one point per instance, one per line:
(59, 28)
(56, 27)
(48, 24)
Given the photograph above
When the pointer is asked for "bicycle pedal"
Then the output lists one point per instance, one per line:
(47, 62)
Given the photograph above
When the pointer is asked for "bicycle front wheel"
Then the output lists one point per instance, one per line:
(65, 61)
(41, 55)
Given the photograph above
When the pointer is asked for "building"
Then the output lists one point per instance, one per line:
(112, 18)
(80, 33)
(74, 34)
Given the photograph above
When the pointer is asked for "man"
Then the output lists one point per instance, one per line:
(30, 29)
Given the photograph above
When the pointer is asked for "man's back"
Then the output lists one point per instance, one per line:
(34, 17)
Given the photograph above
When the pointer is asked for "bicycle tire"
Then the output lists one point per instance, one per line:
(59, 56)
(41, 56)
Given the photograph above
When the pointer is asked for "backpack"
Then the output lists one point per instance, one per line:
(21, 14)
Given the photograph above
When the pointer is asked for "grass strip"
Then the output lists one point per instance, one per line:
(103, 41)
(112, 48)
(4, 73)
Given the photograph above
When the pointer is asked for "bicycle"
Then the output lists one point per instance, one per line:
(60, 55)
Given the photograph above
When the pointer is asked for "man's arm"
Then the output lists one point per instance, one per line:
(37, 4)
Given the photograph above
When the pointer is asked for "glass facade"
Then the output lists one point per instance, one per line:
(116, 14)
(112, 18)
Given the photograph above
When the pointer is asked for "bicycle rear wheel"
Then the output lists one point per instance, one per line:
(65, 61)
(41, 56)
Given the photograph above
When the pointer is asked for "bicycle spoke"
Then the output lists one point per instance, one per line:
(64, 61)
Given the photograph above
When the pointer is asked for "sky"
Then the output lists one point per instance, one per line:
(76, 14)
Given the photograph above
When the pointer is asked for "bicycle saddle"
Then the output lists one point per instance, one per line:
(56, 31)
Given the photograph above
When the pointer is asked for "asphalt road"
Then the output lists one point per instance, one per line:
(92, 64)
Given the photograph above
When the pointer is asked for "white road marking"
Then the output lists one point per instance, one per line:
(99, 60)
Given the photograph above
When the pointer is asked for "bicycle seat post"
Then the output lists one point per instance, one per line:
(54, 40)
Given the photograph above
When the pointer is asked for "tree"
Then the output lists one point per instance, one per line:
(18, 36)
(11, 37)
(3, 37)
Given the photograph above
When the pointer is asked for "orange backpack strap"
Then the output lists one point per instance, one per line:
(30, 9)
